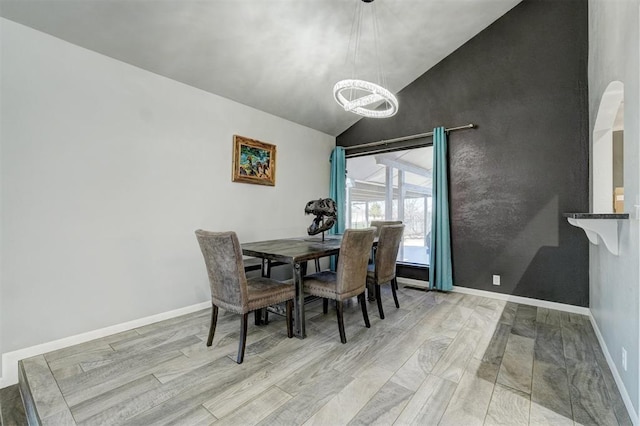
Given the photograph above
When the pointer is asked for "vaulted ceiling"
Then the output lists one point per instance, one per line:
(279, 56)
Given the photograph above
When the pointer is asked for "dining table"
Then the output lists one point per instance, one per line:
(295, 252)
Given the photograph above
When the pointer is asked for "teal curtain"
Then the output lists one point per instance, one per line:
(440, 271)
(337, 187)
(337, 191)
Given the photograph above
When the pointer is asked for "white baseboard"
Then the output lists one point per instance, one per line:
(10, 359)
(616, 375)
(414, 283)
(507, 297)
(525, 300)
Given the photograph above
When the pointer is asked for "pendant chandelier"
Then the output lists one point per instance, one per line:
(359, 96)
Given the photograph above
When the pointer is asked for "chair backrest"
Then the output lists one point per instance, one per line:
(387, 252)
(223, 258)
(378, 224)
(353, 260)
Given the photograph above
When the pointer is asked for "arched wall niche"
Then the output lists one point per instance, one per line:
(607, 151)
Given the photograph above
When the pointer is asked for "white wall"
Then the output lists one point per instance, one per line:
(107, 170)
(1, 78)
(614, 48)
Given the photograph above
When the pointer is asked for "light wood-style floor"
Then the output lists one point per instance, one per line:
(11, 407)
(449, 359)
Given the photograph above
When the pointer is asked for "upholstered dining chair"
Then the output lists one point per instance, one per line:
(383, 269)
(350, 276)
(230, 288)
(378, 224)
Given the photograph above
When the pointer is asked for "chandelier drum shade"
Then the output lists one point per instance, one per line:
(362, 97)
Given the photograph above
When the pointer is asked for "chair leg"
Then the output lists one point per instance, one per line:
(394, 286)
(243, 338)
(339, 310)
(325, 305)
(257, 316)
(363, 304)
(214, 321)
(380, 311)
(265, 316)
(289, 318)
(317, 265)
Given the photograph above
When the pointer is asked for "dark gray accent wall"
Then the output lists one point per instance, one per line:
(523, 81)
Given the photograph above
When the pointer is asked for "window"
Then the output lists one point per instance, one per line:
(394, 186)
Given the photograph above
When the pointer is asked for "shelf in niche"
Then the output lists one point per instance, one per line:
(599, 227)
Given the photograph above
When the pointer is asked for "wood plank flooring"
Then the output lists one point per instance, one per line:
(11, 407)
(449, 359)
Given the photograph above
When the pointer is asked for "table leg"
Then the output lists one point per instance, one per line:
(298, 303)
(261, 315)
(266, 268)
(370, 292)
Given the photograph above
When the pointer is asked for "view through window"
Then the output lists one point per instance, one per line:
(394, 186)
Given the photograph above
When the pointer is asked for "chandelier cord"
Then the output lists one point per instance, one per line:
(375, 43)
(352, 36)
(376, 33)
(360, 13)
(359, 96)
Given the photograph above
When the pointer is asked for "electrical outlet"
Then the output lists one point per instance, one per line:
(624, 359)
(496, 280)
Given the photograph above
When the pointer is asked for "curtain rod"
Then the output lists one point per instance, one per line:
(407, 138)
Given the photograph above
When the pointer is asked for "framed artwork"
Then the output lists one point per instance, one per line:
(253, 161)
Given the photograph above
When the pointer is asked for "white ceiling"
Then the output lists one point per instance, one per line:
(279, 56)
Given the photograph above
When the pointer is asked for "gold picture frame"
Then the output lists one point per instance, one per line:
(253, 161)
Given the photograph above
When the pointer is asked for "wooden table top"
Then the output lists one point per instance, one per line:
(293, 250)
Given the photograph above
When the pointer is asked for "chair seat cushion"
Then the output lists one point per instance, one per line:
(323, 284)
(263, 292)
